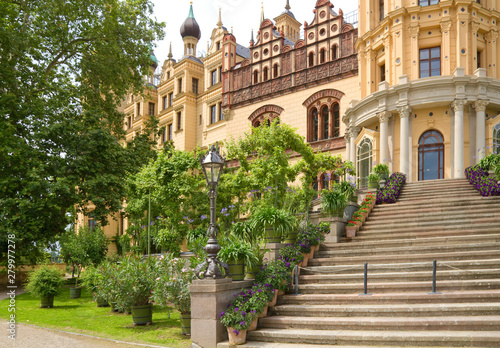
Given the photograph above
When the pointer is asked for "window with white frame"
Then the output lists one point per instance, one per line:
(496, 139)
(364, 161)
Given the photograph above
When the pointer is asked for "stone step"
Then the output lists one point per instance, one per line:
(437, 202)
(442, 256)
(454, 323)
(438, 188)
(257, 344)
(414, 234)
(420, 286)
(386, 338)
(389, 310)
(463, 296)
(438, 182)
(479, 238)
(439, 193)
(444, 221)
(435, 214)
(393, 250)
(413, 267)
(436, 198)
(441, 275)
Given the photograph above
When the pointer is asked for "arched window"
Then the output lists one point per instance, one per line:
(256, 124)
(325, 180)
(364, 162)
(336, 120)
(326, 122)
(256, 76)
(314, 124)
(496, 139)
(268, 122)
(322, 56)
(275, 70)
(431, 156)
(334, 52)
(311, 59)
(315, 186)
(266, 74)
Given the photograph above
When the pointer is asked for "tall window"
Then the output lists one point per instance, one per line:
(164, 135)
(138, 109)
(179, 85)
(213, 76)
(165, 102)
(311, 59)
(315, 124)
(151, 109)
(220, 74)
(496, 139)
(478, 59)
(381, 10)
(195, 86)
(92, 222)
(431, 156)
(336, 120)
(275, 70)
(427, 2)
(171, 99)
(255, 76)
(430, 62)
(326, 122)
(325, 181)
(382, 73)
(266, 74)
(334, 52)
(129, 122)
(169, 131)
(322, 56)
(364, 162)
(221, 114)
(213, 113)
(179, 120)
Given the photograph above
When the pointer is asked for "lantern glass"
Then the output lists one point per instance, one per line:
(212, 166)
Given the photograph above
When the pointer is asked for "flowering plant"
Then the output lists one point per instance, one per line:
(291, 254)
(351, 223)
(172, 283)
(392, 189)
(479, 178)
(237, 318)
(277, 273)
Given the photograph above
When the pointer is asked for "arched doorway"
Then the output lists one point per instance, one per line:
(431, 156)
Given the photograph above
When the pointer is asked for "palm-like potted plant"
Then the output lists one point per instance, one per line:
(334, 201)
(237, 253)
(373, 180)
(272, 222)
(382, 170)
(45, 282)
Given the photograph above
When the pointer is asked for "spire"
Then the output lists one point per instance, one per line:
(251, 38)
(191, 13)
(208, 47)
(261, 13)
(219, 23)
(287, 7)
(170, 51)
(231, 30)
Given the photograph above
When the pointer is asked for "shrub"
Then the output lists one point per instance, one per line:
(392, 189)
(45, 281)
(479, 178)
(291, 254)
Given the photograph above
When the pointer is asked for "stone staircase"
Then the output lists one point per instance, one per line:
(443, 220)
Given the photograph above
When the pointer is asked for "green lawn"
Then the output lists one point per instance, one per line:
(82, 316)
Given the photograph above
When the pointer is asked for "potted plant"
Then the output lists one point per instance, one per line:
(258, 251)
(172, 287)
(92, 280)
(277, 273)
(334, 201)
(82, 249)
(350, 229)
(133, 285)
(349, 189)
(237, 253)
(45, 282)
(272, 222)
(237, 321)
(373, 180)
(382, 170)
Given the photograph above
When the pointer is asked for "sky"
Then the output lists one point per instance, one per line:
(241, 15)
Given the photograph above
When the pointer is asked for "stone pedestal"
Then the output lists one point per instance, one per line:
(209, 297)
(349, 210)
(273, 251)
(337, 229)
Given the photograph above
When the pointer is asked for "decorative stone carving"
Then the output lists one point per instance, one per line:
(355, 131)
(384, 116)
(414, 31)
(459, 104)
(404, 111)
(480, 105)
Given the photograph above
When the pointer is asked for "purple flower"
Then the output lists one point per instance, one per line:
(236, 309)
(203, 217)
(237, 332)
(221, 314)
(242, 323)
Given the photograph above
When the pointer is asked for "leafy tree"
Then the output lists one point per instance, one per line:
(64, 69)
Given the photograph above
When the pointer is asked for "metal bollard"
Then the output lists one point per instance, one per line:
(365, 292)
(296, 279)
(434, 266)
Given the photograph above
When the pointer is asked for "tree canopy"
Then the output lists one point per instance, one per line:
(65, 67)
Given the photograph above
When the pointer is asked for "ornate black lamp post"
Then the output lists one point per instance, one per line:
(212, 164)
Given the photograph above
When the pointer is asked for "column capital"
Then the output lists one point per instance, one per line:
(475, 26)
(481, 104)
(445, 25)
(459, 104)
(492, 35)
(404, 111)
(347, 134)
(414, 30)
(354, 132)
(384, 116)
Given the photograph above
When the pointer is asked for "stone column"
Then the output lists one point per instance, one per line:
(415, 58)
(347, 137)
(458, 106)
(384, 128)
(480, 107)
(404, 154)
(209, 297)
(352, 146)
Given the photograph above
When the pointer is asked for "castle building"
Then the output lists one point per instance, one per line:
(415, 86)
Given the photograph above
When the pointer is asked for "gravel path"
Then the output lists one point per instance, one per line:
(28, 336)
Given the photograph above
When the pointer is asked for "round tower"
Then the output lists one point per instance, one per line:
(190, 32)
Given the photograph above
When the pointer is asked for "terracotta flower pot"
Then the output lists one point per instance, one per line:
(253, 325)
(304, 261)
(275, 298)
(263, 314)
(236, 336)
(350, 231)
